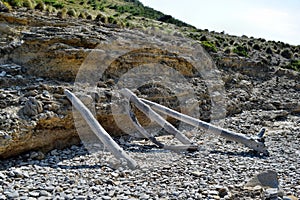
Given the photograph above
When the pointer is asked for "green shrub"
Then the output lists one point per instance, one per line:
(269, 50)
(129, 17)
(89, 16)
(127, 24)
(55, 3)
(294, 65)
(7, 5)
(50, 9)
(286, 53)
(250, 43)
(16, 3)
(256, 46)
(209, 46)
(40, 6)
(262, 39)
(82, 15)
(136, 8)
(58, 5)
(194, 36)
(72, 12)
(28, 4)
(227, 50)
(62, 13)
(225, 44)
(294, 49)
(203, 38)
(241, 51)
(102, 18)
(111, 20)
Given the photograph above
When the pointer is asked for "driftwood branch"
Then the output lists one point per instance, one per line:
(255, 143)
(105, 138)
(138, 126)
(154, 116)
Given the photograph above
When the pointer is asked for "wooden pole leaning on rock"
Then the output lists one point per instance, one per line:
(105, 138)
(256, 143)
(154, 116)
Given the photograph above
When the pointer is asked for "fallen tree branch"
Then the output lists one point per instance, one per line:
(255, 143)
(154, 116)
(153, 139)
(105, 138)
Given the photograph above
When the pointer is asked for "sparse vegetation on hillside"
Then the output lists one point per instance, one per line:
(209, 46)
(120, 8)
(133, 14)
(241, 51)
(294, 65)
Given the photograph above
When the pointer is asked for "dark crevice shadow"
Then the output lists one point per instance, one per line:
(25, 160)
(249, 154)
(48, 161)
(80, 166)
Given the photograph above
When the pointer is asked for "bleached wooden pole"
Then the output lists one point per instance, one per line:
(153, 139)
(154, 116)
(105, 138)
(255, 143)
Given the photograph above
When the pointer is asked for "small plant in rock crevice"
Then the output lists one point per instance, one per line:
(209, 46)
(241, 51)
(294, 65)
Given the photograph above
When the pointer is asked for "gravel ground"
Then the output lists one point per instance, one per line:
(218, 171)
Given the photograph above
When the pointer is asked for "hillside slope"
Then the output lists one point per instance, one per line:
(132, 14)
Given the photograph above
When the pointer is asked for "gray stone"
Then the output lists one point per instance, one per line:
(18, 173)
(49, 188)
(81, 197)
(115, 174)
(2, 197)
(44, 198)
(12, 195)
(271, 193)
(267, 179)
(34, 194)
(197, 173)
(32, 107)
(37, 155)
(213, 192)
(45, 193)
(2, 176)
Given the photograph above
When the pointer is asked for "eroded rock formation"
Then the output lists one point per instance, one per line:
(41, 56)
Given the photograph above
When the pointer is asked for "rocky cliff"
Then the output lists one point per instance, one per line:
(42, 53)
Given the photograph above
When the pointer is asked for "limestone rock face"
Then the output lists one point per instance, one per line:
(32, 107)
(41, 55)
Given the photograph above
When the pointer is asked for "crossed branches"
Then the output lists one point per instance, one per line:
(147, 107)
